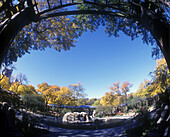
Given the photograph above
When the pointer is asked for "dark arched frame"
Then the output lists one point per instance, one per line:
(159, 29)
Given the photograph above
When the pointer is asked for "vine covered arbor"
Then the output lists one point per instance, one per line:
(28, 24)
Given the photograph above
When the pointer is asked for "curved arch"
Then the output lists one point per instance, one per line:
(11, 27)
(158, 28)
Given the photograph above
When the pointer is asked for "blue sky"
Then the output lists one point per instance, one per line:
(97, 61)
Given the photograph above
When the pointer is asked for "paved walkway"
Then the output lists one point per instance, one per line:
(109, 132)
(61, 132)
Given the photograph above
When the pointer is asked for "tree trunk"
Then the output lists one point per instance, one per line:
(125, 98)
(160, 30)
(163, 40)
(10, 28)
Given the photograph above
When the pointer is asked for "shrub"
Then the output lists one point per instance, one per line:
(98, 115)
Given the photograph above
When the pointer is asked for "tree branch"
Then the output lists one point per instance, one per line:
(76, 12)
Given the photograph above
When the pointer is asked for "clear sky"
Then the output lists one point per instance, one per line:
(97, 61)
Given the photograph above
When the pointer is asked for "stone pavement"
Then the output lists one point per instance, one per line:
(61, 132)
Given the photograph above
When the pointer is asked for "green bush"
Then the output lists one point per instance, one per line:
(137, 110)
(121, 115)
(98, 115)
(64, 111)
(143, 123)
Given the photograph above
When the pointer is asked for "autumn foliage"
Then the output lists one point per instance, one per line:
(116, 95)
(74, 95)
(160, 81)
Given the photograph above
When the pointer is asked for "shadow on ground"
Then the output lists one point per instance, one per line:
(61, 132)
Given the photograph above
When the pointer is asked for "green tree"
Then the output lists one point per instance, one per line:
(91, 101)
(81, 101)
(33, 101)
(97, 103)
(129, 99)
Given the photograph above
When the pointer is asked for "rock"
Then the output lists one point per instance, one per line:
(76, 117)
